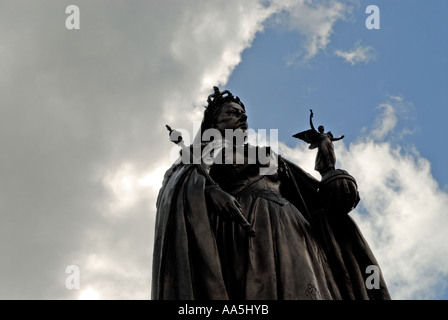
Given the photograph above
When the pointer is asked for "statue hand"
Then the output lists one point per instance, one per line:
(175, 136)
(225, 203)
(230, 208)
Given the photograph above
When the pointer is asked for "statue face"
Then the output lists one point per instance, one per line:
(232, 117)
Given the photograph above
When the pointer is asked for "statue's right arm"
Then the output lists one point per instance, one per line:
(226, 205)
(311, 120)
(221, 200)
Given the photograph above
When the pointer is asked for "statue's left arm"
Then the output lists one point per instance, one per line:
(336, 139)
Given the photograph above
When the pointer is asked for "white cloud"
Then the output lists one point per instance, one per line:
(386, 122)
(128, 186)
(89, 294)
(402, 215)
(358, 54)
(83, 131)
(314, 20)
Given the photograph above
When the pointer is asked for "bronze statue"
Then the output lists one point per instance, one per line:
(226, 231)
(326, 158)
(338, 189)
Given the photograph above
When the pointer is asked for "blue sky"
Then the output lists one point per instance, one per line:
(411, 50)
(85, 148)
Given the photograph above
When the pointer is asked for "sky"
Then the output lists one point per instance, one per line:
(84, 145)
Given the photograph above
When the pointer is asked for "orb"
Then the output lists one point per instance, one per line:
(339, 191)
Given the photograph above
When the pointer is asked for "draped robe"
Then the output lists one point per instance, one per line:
(300, 250)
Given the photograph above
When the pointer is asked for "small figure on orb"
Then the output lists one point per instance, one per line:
(325, 158)
(337, 188)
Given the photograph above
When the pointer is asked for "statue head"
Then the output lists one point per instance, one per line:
(224, 111)
(321, 129)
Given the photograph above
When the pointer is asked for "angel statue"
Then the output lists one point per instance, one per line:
(325, 158)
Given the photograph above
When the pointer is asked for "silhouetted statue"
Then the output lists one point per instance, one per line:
(338, 189)
(325, 158)
(224, 230)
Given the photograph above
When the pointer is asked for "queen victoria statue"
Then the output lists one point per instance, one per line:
(236, 221)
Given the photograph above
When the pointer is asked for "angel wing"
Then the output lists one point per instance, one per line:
(309, 136)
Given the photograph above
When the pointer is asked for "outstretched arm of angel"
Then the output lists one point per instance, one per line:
(310, 136)
(336, 139)
(311, 120)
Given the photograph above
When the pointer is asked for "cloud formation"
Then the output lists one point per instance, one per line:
(83, 140)
(314, 20)
(357, 55)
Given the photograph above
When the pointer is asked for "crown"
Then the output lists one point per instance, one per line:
(218, 97)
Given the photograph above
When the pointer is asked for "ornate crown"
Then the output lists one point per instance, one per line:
(219, 98)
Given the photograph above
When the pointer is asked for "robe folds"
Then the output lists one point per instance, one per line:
(300, 251)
